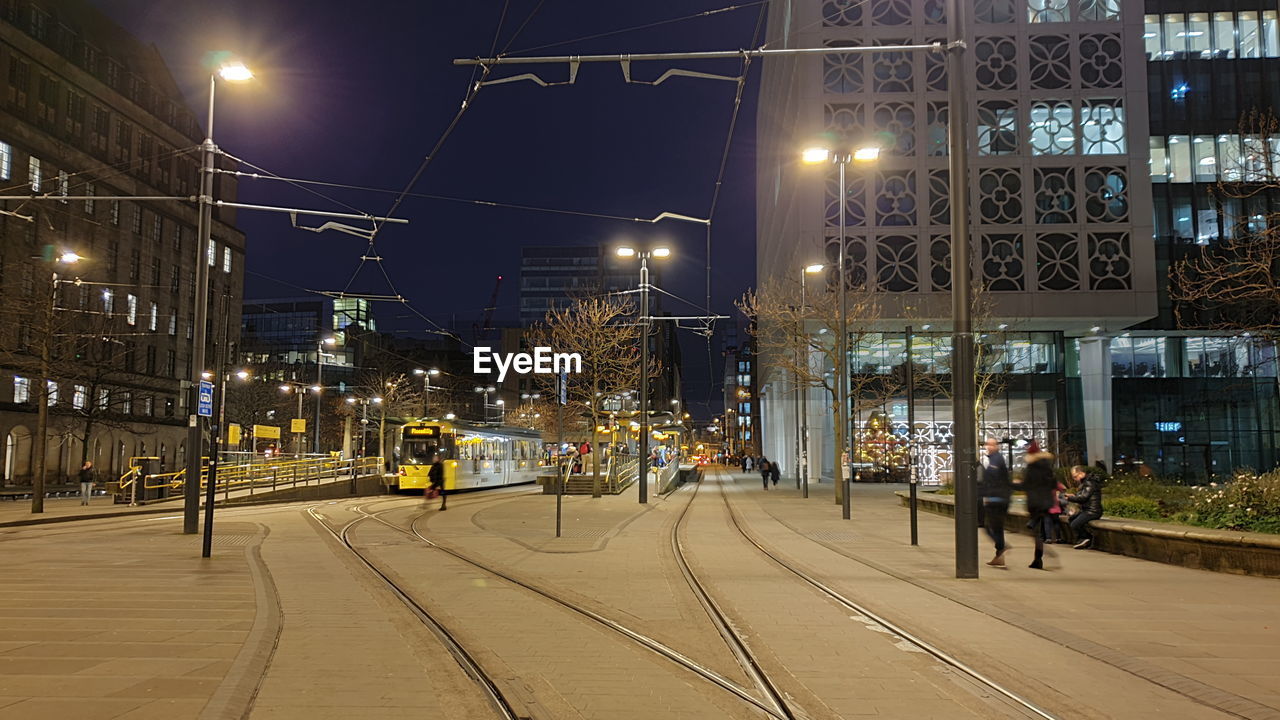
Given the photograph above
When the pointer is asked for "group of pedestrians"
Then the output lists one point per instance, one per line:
(770, 471)
(1045, 501)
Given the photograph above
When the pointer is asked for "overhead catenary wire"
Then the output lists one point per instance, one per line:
(644, 26)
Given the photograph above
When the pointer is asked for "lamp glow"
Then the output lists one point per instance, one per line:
(815, 155)
(235, 72)
(626, 252)
(816, 267)
(866, 154)
(662, 252)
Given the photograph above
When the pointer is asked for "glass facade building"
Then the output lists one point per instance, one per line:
(1098, 131)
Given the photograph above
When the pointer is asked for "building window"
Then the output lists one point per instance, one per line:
(1102, 125)
(88, 203)
(155, 318)
(148, 406)
(213, 253)
(108, 301)
(997, 128)
(104, 398)
(137, 220)
(226, 258)
(1212, 36)
(1047, 11)
(33, 173)
(157, 226)
(126, 402)
(173, 324)
(6, 161)
(21, 389)
(80, 397)
(64, 185)
(115, 213)
(132, 316)
(51, 389)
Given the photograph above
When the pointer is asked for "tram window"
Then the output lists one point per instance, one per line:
(418, 452)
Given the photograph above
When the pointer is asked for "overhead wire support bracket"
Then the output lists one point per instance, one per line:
(628, 58)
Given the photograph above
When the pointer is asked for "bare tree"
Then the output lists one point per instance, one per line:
(601, 331)
(801, 340)
(398, 395)
(1232, 284)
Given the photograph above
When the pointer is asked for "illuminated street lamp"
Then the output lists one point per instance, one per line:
(426, 385)
(231, 71)
(842, 158)
(41, 440)
(644, 255)
(802, 399)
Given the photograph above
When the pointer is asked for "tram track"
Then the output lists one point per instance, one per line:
(470, 666)
(1016, 701)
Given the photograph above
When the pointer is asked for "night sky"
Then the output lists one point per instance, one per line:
(358, 93)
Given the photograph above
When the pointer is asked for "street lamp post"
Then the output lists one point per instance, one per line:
(231, 72)
(842, 160)
(484, 410)
(39, 450)
(298, 389)
(962, 350)
(802, 434)
(364, 421)
(319, 389)
(643, 450)
(426, 385)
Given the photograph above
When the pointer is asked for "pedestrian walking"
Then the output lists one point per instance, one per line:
(1089, 498)
(765, 471)
(1039, 484)
(86, 482)
(435, 480)
(995, 490)
(775, 472)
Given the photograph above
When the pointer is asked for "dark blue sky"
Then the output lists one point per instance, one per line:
(358, 93)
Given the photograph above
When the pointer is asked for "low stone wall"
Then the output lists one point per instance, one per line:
(1242, 553)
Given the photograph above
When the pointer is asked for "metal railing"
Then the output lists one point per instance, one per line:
(136, 487)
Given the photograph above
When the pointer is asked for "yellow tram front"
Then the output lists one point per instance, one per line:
(420, 443)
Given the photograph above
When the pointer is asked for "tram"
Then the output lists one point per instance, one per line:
(475, 456)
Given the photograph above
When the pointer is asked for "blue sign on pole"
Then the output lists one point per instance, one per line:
(564, 387)
(204, 406)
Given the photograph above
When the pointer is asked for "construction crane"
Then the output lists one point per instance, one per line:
(486, 323)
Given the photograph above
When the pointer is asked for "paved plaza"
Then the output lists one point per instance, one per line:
(119, 617)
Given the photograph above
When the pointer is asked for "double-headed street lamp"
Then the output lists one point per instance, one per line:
(299, 389)
(842, 158)
(644, 255)
(364, 420)
(230, 72)
(318, 388)
(484, 410)
(802, 392)
(426, 385)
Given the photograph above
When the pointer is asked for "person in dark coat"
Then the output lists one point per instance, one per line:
(86, 482)
(775, 472)
(995, 490)
(435, 479)
(766, 469)
(1040, 486)
(1089, 498)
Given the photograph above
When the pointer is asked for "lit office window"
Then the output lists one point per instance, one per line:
(51, 388)
(1047, 11)
(155, 318)
(213, 253)
(1204, 156)
(33, 173)
(1248, 33)
(1224, 35)
(1270, 34)
(226, 258)
(132, 307)
(1175, 35)
(21, 389)
(6, 160)
(80, 397)
(1102, 125)
(64, 185)
(104, 398)
(1159, 162)
(108, 301)
(1151, 34)
(1179, 158)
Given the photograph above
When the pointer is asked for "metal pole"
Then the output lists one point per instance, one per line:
(319, 389)
(962, 351)
(842, 359)
(795, 404)
(426, 390)
(195, 437)
(211, 486)
(912, 480)
(364, 428)
(644, 378)
(804, 400)
(700, 55)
